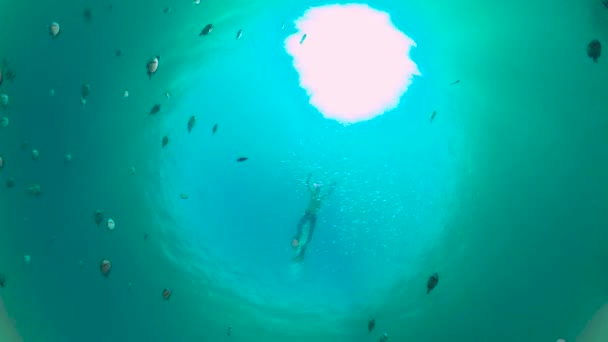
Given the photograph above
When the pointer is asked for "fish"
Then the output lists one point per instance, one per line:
(34, 190)
(98, 217)
(10, 74)
(206, 30)
(54, 29)
(111, 224)
(146, 235)
(4, 101)
(0, 76)
(191, 123)
(229, 331)
(458, 81)
(214, 129)
(87, 14)
(384, 337)
(105, 267)
(605, 3)
(241, 159)
(155, 109)
(2, 280)
(167, 10)
(152, 66)
(303, 38)
(433, 116)
(85, 90)
(239, 34)
(594, 50)
(118, 53)
(165, 141)
(371, 324)
(433, 280)
(184, 196)
(10, 183)
(166, 294)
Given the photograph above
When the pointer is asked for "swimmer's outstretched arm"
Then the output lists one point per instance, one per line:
(308, 182)
(330, 191)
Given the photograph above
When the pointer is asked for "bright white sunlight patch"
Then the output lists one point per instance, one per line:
(353, 62)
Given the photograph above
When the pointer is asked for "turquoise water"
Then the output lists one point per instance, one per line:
(504, 195)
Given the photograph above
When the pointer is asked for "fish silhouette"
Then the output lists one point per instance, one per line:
(206, 30)
(433, 280)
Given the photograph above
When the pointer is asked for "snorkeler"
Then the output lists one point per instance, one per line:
(303, 237)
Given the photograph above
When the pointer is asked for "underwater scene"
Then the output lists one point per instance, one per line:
(303, 171)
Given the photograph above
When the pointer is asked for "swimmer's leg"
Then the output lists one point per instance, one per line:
(301, 223)
(313, 223)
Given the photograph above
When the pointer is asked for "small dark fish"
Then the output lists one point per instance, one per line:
(458, 81)
(229, 331)
(87, 14)
(146, 235)
(206, 30)
(118, 53)
(433, 280)
(239, 34)
(2, 280)
(105, 267)
(214, 129)
(303, 38)
(191, 123)
(184, 196)
(433, 116)
(167, 294)
(594, 50)
(85, 90)
(383, 337)
(167, 10)
(155, 109)
(242, 159)
(10, 183)
(165, 141)
(10, 74)
(98, 217)
(605, 3)
(371, 324)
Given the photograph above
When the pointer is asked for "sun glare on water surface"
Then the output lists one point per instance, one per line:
(353, 62)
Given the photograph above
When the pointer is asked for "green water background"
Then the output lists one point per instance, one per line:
(522, 245)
